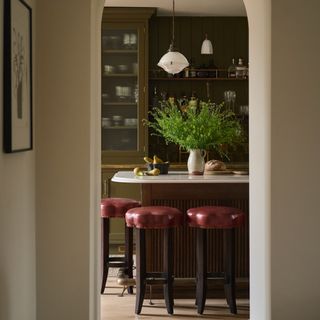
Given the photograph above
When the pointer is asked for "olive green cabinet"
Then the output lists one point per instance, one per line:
(124, 99)
(124, 84)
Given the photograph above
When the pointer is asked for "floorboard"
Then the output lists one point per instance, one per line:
(114, 307)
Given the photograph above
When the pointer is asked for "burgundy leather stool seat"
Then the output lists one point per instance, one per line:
(215, 217)
(154, 217)
(116, 208)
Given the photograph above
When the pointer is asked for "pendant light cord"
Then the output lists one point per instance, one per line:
(172, 22)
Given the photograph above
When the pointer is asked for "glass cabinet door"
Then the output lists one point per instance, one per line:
(124, 84)
(120, 89)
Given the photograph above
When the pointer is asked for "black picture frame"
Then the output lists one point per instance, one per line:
(17, 77)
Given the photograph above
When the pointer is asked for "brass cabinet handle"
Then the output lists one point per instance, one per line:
(104, 192)
(106, 187)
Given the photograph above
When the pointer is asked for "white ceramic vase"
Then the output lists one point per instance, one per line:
(196, 161)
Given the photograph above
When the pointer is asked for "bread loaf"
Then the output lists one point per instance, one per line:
(215, 165)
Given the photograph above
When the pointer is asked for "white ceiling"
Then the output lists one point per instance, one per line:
(187, 7)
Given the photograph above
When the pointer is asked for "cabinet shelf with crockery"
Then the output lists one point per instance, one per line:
(120, 128)
(120, 51)
(119, 75)
(117, 103)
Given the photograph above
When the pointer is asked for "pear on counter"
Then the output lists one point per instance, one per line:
(156, 160)
(154, 172)
(138, 171)
(148, 160)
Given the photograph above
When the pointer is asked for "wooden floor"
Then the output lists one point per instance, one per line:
(114, 307)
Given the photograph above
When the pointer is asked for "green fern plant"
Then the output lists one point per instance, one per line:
(206, 126)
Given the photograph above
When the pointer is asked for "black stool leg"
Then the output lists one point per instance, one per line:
(201, 269)
(229, 262)
(105, 229)
(168, 269)
(129, 253)
(141, 269)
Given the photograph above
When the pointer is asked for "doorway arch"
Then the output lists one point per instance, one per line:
(259, 17)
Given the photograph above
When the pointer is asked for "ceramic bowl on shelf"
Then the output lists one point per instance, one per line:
(117, 120)
(130, 122)
(105, 97)
(108, 69)
(112, 42)
(122, 68)
(106, 122)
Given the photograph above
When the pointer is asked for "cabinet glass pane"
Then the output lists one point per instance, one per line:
(120, 93)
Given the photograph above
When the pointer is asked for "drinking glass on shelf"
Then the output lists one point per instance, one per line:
(230, 100)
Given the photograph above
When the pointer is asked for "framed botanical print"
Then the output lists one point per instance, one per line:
(17, 135)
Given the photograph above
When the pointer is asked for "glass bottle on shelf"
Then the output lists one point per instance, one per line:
(155, 98)
(183, 102)
(193, 72)
(241, 70)
(187, 72)
(232, 69)
(193, 103)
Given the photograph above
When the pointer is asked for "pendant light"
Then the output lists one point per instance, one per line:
(173, 61)
(206, 47)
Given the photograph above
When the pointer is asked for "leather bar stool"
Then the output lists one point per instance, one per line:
(214, 217)
(154, 217)
(116, 208)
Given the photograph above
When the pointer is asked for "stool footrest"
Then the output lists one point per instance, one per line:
(157, 278)
(122, 259)
(156, 275)
(216, 275)
(151, 281)
(116, 264)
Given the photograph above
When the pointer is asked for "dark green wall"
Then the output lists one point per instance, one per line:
(229, 36)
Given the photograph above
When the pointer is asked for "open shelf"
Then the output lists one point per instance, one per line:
(197, 79)
(120, 75)
(113, 51)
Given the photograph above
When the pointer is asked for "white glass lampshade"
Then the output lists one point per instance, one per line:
(206, 47)
(173, 62)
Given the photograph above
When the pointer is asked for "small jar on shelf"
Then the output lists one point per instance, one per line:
(186, 72)
(241, 70)
(232, 69)
(155, 98)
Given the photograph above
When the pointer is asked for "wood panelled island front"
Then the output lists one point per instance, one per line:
(178, 189)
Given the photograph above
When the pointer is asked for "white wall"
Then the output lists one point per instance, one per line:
(67, 159)
(17, 224)
(284, 175)
(295, 187)
(259, 18)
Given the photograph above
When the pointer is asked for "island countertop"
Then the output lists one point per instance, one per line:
(178, 177)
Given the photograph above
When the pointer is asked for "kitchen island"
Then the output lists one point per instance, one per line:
(183, 191)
